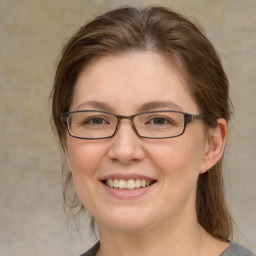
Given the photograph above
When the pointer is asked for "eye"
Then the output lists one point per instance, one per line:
(160, 120)
(96, 120)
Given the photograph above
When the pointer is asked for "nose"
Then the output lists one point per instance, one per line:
(126, 145)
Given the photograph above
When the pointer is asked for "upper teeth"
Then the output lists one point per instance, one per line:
(127, 184)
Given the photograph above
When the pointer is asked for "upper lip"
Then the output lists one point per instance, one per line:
(130, 176)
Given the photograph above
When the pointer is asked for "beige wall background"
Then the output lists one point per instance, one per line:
(32, 33)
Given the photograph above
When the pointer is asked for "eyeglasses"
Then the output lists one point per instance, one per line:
(92, 125)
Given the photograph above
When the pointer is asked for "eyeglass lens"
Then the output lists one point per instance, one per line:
(95, 125)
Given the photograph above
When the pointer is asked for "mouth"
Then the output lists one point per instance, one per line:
(131, 184)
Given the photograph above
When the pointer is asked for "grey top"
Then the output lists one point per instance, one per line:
(234, 249)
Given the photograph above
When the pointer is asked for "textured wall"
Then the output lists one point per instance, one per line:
(31, 35)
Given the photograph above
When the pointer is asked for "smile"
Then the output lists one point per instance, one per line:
(130, 184)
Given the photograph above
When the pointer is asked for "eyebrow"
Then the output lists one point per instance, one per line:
(96, 104)
(149, 106)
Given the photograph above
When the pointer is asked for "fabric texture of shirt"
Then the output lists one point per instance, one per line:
(234, 249)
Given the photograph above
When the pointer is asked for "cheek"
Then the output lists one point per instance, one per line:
(83, 160)
(180, 159)
(178, 166)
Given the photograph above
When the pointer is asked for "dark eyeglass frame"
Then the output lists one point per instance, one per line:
(188, 118)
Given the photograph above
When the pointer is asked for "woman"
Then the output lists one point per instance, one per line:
(141, 108)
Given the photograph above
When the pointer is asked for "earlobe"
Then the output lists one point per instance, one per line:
(217, 137)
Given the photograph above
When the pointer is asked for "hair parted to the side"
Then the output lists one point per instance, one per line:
(182, 43)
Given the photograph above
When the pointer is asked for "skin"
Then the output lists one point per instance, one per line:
(128, 226)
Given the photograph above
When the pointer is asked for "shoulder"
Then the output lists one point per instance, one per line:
(235, 249)
(92, 251)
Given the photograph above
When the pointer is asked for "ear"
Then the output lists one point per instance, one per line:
(215, 145)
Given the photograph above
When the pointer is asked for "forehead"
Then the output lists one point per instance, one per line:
(125, 82)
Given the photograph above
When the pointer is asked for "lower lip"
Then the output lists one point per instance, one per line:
(127, 193)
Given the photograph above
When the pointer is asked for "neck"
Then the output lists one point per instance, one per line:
(185, 238)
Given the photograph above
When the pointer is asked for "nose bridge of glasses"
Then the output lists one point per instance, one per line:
(129, 118)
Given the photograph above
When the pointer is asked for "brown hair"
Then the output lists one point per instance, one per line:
(181, 42)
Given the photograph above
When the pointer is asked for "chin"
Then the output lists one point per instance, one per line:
(126, 221)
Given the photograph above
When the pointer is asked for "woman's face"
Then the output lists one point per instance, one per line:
(123, 85)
